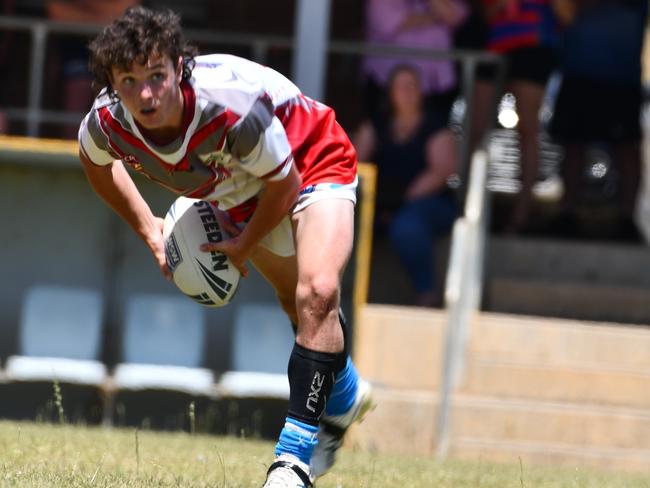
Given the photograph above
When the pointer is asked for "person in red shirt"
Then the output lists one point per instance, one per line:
(524, 31)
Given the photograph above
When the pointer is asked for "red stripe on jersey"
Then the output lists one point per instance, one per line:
(107, 132)
(190, 103)
(243, 211)
(226, 119)
(205, 189)
(114, 125)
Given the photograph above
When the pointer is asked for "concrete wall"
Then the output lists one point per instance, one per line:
(533, 390)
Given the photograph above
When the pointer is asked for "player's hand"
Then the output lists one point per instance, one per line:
(226, 223)
(157, 246)
(233, 249)
(230, 247)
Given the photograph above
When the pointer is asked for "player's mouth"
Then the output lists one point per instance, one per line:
(148, 111)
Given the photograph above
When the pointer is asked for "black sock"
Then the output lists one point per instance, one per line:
(311, 376)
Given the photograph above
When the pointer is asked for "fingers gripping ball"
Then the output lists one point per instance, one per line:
(209, 278)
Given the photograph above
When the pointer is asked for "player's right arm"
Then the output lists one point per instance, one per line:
(114, 185)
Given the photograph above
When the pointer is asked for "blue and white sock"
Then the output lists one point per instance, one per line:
(344, 391)
(298, 439)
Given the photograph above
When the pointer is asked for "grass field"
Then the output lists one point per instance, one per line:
(44, 455)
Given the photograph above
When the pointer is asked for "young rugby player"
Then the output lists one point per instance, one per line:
(232, 132)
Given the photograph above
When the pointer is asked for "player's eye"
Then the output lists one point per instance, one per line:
(128, 81)
(157, 77)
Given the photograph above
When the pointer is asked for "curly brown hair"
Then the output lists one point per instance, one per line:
(133, 37)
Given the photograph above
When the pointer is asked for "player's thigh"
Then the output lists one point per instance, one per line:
(324, 234)
(282, 273)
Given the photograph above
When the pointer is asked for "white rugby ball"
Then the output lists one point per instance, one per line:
(208, 278)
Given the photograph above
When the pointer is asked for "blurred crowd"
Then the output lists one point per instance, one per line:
(593, 46)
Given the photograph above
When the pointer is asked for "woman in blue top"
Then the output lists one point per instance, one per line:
(415, 153)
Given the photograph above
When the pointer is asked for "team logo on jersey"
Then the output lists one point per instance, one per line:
(222, 173)
(215, 158)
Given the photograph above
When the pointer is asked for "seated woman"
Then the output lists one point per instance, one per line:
(415, 153)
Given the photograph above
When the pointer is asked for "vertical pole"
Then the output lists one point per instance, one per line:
(310, 46)
(36, 71)
(454, 302)
(469, 70)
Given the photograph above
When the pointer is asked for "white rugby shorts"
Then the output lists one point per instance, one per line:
(280, 240)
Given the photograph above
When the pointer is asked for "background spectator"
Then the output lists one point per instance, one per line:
(415, 153)
(524, 31)
(600, 98)
(413, 23)
(76, 94)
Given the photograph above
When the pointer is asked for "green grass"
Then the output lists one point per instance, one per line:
(44, 455)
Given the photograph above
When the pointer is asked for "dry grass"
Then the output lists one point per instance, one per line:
(44, 455)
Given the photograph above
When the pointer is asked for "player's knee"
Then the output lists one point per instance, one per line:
(318, 297)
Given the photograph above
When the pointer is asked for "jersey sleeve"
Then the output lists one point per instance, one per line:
(93, 142)
(260, 142)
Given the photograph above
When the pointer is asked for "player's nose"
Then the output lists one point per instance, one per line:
(146, 93)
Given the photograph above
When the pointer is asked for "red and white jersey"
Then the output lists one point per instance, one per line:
(244, 123)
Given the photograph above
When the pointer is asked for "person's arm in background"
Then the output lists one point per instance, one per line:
(442, 157)
(449, 12)
(114, 185)
(387, 18)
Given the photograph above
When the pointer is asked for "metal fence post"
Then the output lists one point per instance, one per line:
(36, 71)
(469, 71)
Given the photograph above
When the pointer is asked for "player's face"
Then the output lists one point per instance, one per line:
(151, 92)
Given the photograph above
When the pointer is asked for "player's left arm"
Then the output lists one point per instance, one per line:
(260, 143)
(114, 185)
(276, 200)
